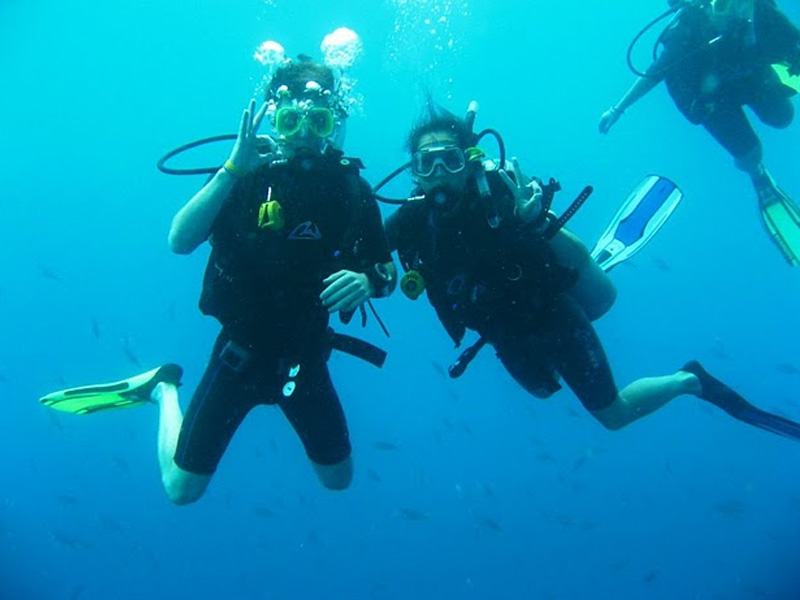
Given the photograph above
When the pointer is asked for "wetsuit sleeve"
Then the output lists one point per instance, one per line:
(373, 247)
(394, 227)
(667, 56)
(225, 221)
(373, 256)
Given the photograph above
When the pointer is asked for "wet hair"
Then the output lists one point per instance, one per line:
(435, 118)
(296, 74)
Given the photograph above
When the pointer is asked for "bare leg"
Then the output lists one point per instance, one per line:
(645, 396)
(335, 477)
(182, 487)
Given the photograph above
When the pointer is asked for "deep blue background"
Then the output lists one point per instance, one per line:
(522, 498)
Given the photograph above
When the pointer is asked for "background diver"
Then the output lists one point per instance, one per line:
(719, 56)
(493, 259)
(295, 235)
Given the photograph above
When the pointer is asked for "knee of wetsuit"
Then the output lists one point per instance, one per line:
(750, 162)
(782, 115)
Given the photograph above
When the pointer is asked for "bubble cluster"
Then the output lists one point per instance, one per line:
(425, 36)
(270, 54)
(341, 48)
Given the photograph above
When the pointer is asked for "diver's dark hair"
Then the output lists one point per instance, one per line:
(435, 118)
(296, 74)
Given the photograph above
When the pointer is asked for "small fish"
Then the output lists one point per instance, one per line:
(373, 476)
(96, 333)
(580, 463)
(619, 565)
(171, 312)
(490, 524)
(566, 521)
(111, 524)
(377, 590)
(273, 445)
(49, 273)
(730, 508)
(409, 514)
(718, 349)
(487, 490)
(312, 539)
(438, 438)
(77, 593)
(572, 412)
(67, 500)
(536, 441)
(55, 421)
(129, 354)
(546, 457)
(264, 512)
(651, 576)
(661, 264)
(439, 368)
(754, 590)
(68, 541)
(121, 463)
(385, 446)
(466, 428)
(787, 369)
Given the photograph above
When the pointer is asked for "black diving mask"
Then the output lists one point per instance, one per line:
(451, 158)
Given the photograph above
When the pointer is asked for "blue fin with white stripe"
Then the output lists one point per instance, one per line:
(642, 214)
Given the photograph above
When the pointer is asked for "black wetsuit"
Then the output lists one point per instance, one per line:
(263, 286)
(712, 82)
(505, 283)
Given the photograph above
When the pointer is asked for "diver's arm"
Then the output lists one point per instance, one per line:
(373, 273)
(527, 193)
(347, 290)
(382, 279)
(192, 225)
(640, 88)
(380, 269)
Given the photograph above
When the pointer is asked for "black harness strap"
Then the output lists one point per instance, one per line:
(358, 348)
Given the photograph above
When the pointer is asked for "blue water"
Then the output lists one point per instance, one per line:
(515, 497)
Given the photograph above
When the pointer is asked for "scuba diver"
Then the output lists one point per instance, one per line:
(719, 56)
(483, 244)
(295, 236)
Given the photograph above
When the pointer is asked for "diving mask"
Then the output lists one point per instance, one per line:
(451, 158)
(289, 120)
(732, 9)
